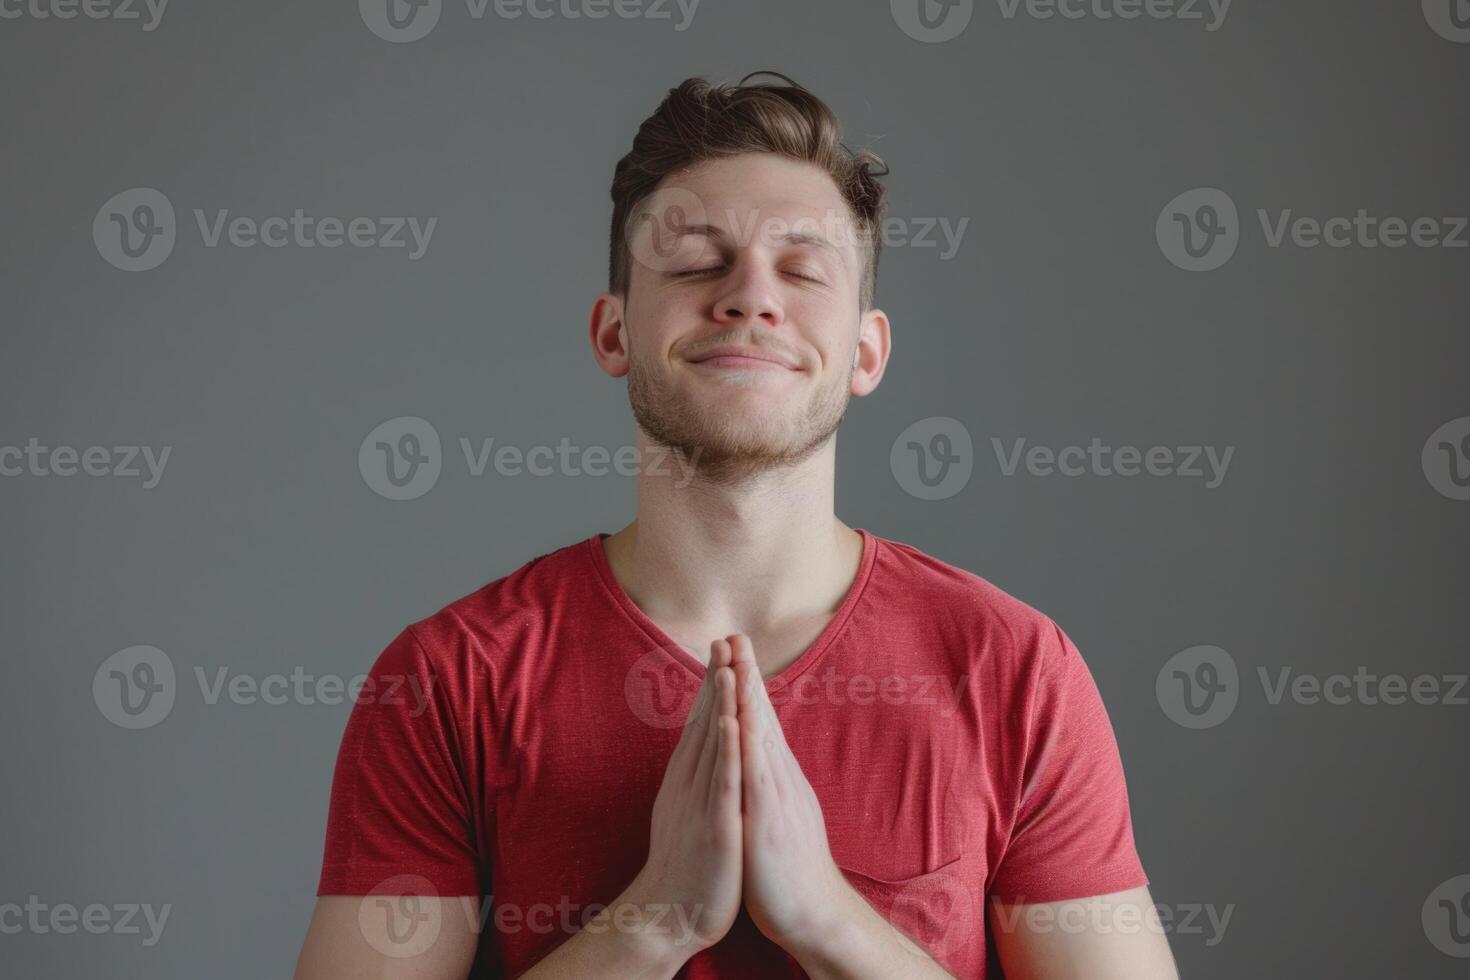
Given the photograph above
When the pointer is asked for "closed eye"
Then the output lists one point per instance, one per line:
(794, 273)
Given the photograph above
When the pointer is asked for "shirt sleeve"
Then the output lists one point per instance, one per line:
(1072, 836)
(400, 803)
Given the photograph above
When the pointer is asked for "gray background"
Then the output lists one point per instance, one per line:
(263, 549)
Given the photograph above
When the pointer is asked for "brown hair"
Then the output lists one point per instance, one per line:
(699, 121)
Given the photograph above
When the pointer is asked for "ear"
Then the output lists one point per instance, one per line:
(609, 334)
(870, 358)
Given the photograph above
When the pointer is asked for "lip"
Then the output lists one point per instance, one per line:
(731, 356)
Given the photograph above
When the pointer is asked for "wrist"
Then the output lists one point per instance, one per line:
(654, 933)
(827, 931)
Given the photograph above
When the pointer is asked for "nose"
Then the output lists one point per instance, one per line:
(748, 295)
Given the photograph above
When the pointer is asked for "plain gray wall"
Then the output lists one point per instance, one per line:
(1324, 829)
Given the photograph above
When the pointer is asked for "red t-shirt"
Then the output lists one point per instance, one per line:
(511, 745)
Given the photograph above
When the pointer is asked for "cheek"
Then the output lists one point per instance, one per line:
(677, 304)
(654, 320)
(827, 327)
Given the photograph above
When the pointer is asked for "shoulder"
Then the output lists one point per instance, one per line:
(510, 613)
(970, 613)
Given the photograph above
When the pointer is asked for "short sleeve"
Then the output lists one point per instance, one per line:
(1072, 836)
(399, 802)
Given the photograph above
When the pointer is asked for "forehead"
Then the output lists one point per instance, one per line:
(766, 186)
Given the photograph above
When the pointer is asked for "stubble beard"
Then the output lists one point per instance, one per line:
(722, 450)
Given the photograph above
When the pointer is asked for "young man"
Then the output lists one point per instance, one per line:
(737, 738)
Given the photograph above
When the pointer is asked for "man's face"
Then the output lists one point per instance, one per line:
(761, 259)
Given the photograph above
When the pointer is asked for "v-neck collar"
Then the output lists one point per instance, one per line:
(597, 555)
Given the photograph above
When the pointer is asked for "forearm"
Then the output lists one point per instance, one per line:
(620, 942)
(856, 943)
(608, 954)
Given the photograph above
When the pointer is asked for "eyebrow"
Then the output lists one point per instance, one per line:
(791, 237)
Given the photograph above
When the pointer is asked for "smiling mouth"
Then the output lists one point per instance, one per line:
(740, 362)
(745, 357)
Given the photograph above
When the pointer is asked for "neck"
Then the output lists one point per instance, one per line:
(762, 556)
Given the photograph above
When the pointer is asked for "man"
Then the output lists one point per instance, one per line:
(737, 738)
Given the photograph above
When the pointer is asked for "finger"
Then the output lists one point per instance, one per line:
(747, 699)
(702, 699)
(758, 715)
(707, 701)
(759, 756)
(724, 786)
(755, 776)
(695, 741)
(691, 740)
(742, 652)
(741, 649)
(754, 704)
(725, 700)
(719, 654)
(721, 693)
(756, 709)
(786, 775)
(747, 672)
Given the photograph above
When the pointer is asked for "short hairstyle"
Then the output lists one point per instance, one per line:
(701, 121)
